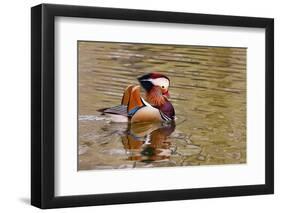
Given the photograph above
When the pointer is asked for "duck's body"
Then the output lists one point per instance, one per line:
(134, 108)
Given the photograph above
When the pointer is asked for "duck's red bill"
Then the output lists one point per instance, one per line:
(166, 94)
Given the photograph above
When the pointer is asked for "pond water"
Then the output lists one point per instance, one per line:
(208, 92)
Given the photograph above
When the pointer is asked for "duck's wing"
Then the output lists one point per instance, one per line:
(118, 110)
(130, 103)
(126, 95)
(135, 101)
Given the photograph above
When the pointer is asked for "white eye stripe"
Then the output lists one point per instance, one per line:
(160, 82)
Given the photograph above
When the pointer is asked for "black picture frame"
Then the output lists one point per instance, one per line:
(43, 105)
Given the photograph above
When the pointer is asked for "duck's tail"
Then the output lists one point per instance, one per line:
(118, 110)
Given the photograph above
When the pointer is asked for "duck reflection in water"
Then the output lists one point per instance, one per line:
(147, 142)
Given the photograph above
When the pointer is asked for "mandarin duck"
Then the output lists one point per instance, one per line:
(155, 107)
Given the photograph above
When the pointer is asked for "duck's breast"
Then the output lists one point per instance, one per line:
(168, 110)
(147, 114)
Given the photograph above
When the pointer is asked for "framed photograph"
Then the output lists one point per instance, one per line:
(139, 106)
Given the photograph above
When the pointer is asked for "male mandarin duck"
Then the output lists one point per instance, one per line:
(154, 108)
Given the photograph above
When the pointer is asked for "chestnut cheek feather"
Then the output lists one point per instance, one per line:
(155, 96)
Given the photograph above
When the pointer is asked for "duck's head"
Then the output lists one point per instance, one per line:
(155, 79)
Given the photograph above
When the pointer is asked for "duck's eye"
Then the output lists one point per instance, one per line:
(163, 87)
